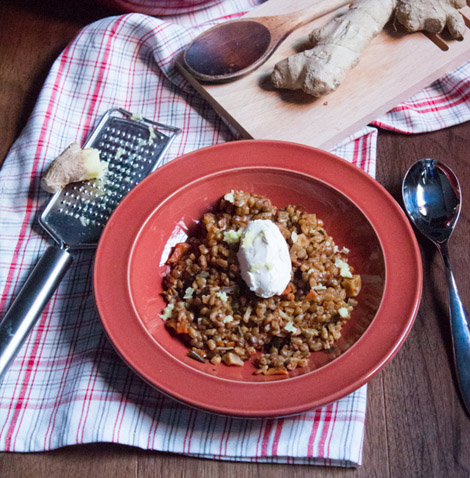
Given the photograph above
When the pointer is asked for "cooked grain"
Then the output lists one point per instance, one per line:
(223, 321)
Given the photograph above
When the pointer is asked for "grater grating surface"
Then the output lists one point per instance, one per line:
(131, 147)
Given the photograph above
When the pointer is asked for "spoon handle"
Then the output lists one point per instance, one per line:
(301, 17)
(460, 333)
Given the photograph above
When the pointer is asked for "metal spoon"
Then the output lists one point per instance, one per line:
(234, 48)
(431, 194)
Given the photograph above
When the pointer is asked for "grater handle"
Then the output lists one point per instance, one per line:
(30, 302)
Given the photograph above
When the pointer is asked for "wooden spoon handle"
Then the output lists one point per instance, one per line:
(324, 7)
(285, 23)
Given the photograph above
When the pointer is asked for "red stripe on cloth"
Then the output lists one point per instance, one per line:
(313, 434)
(185, 130)
(95, 96)
(188, 433)
(87, 399)
(369, 160)
(364, 152)
(36, 354)
(438, 102)
(266, 435)
(230, 423)
(428, 106)
(22, 401)
(29, 204)
(356, 152)
(334, 416)
(325, 429)
(225, 437)
(69, 357)
(258, 440)
(362, 157)
(91, 111)
(59, 400)
(277, 437)
(121, 413)
(222, 438)
(156, 421)
(22, 236)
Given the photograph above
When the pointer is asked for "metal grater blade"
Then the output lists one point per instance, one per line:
(132, 147)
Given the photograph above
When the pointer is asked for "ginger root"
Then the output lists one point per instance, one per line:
(338, 45)
(72, 165)
(432, 16)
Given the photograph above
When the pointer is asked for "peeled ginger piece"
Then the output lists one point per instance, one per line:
(72, 165)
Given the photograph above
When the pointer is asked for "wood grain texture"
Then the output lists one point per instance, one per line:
(415, 426)
(421, 395)
(394, 66)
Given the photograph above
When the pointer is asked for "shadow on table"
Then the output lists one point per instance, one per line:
(73, 11)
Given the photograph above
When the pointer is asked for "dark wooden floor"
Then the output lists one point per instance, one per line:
(416, 426)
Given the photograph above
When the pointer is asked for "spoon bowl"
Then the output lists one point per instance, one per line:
(234, 48)
(431, 193)
(220, 53)
(432, 199)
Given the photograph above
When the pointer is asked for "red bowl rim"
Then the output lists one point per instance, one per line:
(348, 372)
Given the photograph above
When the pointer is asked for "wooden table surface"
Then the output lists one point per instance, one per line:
(416, 425)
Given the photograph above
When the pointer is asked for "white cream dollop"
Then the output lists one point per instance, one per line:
(264, 258)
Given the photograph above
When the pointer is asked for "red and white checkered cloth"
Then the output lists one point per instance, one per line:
(67, 385)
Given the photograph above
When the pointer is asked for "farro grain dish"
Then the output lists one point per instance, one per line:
(213, 311)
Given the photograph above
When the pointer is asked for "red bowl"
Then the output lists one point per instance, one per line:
(158, 213)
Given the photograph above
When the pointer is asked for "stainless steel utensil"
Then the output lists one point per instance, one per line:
(431, 194)
(132, 147)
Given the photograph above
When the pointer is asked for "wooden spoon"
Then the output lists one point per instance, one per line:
(232, 49)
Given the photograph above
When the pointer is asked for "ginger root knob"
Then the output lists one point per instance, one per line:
(338, 45)
(72, 165)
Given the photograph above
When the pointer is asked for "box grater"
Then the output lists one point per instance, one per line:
(131, 147)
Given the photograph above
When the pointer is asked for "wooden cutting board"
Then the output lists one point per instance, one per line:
(394, 66)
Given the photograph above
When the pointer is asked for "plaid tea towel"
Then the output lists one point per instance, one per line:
(67, 385)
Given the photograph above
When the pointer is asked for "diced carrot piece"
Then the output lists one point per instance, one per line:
(276, 371)
(287, 290)
(178, 251)
(181, 328)
(311, 295)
